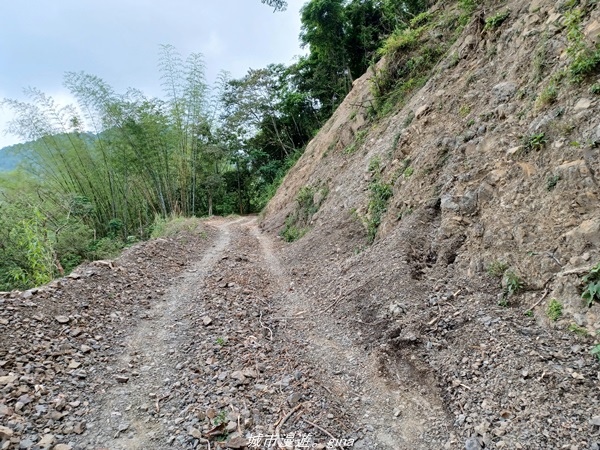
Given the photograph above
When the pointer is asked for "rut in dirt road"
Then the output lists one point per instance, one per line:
(154, 350)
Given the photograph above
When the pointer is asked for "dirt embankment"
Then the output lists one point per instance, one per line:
(472, 283)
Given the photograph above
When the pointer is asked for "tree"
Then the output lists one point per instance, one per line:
(277, 5)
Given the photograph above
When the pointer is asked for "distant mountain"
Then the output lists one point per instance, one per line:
(8, 160)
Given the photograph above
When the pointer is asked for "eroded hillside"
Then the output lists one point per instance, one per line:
(454, 224)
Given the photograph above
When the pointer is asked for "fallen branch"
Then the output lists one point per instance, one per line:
(323, 430)
(264, 326)
(539, 301)
(280, 423)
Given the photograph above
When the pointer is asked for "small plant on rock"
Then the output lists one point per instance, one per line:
(591, 292)
(554, 310)
(552, 181)
(514, 283)
(497, 268)
(574, 328)
(534, 141)
(496, 20)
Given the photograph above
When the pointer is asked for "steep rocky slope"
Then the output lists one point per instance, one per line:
(454, 232)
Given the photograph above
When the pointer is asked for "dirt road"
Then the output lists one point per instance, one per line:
(226, 353)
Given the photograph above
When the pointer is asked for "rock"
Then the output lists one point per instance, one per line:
(588, 231)
(195, 432)
(582, 104)
(237, 442)
(206, 321)
(5, 432)
(86, 348)
(504, 91)
(62, 319)
(238, 375)
(46, 441)
(79, 427)
(74, 365)
(62, 447)
(595, 421)
(121, 379)
(421, 111)
(472, 444)
(76, 332)
(8, 379)
(592, 31)
(294, 399)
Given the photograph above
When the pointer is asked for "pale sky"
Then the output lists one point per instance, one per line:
(118, 40)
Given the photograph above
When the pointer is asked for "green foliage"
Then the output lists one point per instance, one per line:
(359, 140)
(408, 172)
(31, 240)
(497, 268)
(548, 95)
(221, 341)
(496, 20)
(220, 418)
(554, 310)
(379, 194)
(574, 328)
(410, 55)
(174, 225)
(552, 181)
(595, 89)
(309, 200)
(591, 291)
(596, 351)
(585, 58)
(534, 141)
(513, 283)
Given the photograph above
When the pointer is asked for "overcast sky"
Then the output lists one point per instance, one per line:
(118, 40)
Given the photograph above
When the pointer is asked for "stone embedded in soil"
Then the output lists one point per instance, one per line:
(195, 432)
(8, 379)
(237, 442)
(46, 441)
(5, 432)
(472, 444)
(62, 447)
(62, 319)
(206, 321)
(121, 378)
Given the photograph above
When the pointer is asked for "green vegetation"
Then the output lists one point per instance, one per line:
(574, 328)
(359, 140)
(548, 95)
(220, 418)
(173, 225)
(514, 283)
(410, 55)
(585, 58)
(497, 268)
(308, 200)
(591, 291)
(595, 89)
(379, 194)
(408, 172)
(464, 111)
(554, 310)
(552, 181)
(221, 341)
(496, 20)
(534, 142)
